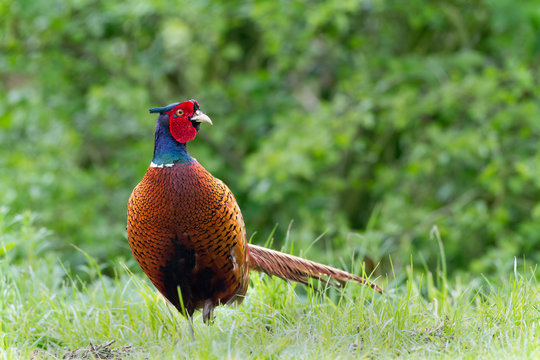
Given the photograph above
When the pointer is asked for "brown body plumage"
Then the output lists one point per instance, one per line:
(186, 230)
(194, 239)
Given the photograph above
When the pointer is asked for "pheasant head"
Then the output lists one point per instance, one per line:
(183, 120)
(177, 124)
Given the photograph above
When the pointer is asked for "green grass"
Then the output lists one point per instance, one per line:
(44, 317)
(47, 313)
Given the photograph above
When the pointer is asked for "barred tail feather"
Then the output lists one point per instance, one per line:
(294, 268)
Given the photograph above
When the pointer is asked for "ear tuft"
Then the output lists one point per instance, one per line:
(156, 110)
(163, 109)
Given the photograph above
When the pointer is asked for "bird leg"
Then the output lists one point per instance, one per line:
(208, 311)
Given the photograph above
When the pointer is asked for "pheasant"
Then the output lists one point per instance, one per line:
(186, 230)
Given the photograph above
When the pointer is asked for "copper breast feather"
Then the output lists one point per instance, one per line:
(186, 231)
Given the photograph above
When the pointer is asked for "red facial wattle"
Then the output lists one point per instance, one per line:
(179, 125)
(182, 129)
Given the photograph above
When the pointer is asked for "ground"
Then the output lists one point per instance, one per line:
(123, 317)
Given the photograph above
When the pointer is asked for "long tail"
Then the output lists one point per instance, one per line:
(294, 268)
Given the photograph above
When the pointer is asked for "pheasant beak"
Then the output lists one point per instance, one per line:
(201, 117)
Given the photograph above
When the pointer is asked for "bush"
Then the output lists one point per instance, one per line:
(366, 121)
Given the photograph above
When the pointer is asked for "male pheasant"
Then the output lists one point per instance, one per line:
(186, 230)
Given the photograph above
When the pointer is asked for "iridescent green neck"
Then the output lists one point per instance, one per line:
(168, 151)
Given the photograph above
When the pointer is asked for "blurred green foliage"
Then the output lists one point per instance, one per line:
(366, 121)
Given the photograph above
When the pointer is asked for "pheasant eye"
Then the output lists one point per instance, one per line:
(179, 112)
